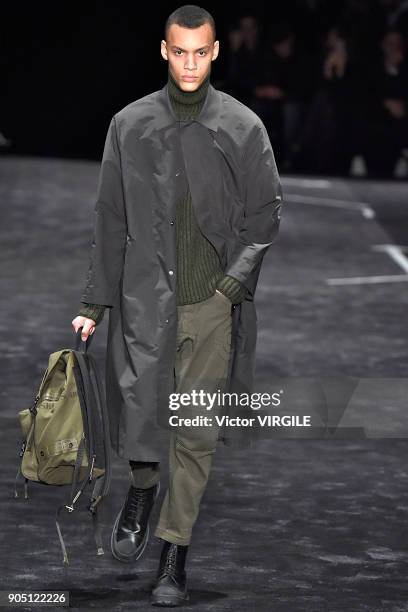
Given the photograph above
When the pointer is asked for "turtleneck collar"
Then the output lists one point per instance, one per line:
(187, 104)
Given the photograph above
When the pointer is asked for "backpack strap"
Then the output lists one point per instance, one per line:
(70, 508)
(95, 401)
(25, 484)
(100, 398)
(77, 467)
(87, 390)
(102, 483)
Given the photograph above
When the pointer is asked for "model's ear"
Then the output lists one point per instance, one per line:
(216, 50)
(163, 49)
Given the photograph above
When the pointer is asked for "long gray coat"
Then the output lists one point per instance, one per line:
(226, 157)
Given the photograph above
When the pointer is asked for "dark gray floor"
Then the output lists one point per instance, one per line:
(291, 525)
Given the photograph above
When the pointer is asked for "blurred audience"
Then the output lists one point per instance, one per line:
(396, 15)
(386, 122)
(328, 79)
(342, 96)
(242, 58)
(284, 83)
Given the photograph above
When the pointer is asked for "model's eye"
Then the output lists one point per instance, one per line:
(178, 52)
(203, 53)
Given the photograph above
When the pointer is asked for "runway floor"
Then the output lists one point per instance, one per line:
(290, 525)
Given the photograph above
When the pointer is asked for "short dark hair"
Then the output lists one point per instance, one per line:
(189, 16)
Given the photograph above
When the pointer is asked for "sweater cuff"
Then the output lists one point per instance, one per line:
(232, 288)
(92, 311)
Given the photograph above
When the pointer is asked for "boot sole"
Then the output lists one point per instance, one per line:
(131, 558)
(169, 601)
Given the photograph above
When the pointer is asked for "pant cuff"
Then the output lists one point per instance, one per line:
(172, 537)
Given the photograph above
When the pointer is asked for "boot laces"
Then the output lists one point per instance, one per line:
(133, 507)
(171, 560)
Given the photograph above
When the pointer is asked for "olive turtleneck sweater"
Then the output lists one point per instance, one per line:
(199, 270)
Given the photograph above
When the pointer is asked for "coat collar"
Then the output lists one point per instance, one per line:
(209, 115)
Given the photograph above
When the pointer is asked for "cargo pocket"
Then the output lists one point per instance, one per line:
(222, 339)
(184, 354)
(57, 461)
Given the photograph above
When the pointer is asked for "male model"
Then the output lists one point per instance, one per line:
(188, 202)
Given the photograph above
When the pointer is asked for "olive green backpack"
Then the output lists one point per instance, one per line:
(65, 434)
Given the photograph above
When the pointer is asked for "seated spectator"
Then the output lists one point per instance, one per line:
(285, 80)
(242, 59)
(333, 129)
(396, 16)
(386, 119)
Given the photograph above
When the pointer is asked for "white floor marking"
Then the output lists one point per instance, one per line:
(362, 207)
(313, 183)
(365, 280)
(396, 252)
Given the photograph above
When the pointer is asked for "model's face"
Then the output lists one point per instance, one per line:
(189, 53)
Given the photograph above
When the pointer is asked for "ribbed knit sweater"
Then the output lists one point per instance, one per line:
(199, 270)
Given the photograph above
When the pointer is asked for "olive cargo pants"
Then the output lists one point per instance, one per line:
(201, 363)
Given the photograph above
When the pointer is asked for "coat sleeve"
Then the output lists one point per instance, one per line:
(110, 228)
(262, 209)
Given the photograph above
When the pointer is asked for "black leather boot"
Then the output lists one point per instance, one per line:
(130, 532)
(169, 588)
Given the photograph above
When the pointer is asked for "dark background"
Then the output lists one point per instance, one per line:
(293, 525)
(66, 71)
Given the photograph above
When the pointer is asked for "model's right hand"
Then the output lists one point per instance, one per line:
(88, 326)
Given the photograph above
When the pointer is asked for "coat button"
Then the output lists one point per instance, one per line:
(171, 272)
(177, 173)
(166, 321)
(171, 222)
